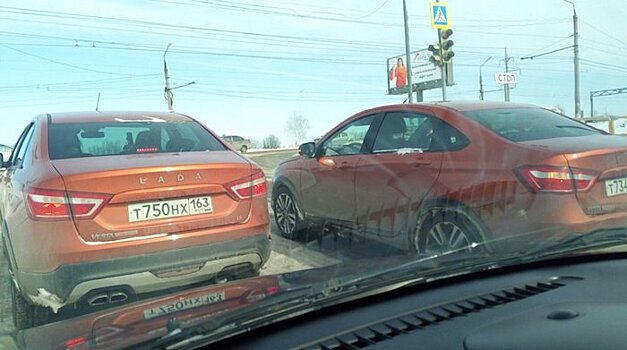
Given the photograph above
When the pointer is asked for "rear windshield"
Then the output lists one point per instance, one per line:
(528, 124)
(78, 140)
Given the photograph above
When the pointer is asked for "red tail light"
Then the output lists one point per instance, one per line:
(76, 343)
(557, 179)
(55, 204)
(248, 187)
(272, 290)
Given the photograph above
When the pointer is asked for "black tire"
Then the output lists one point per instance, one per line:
(448, 229)
(26, 315)
(287, 214)
(244, 149)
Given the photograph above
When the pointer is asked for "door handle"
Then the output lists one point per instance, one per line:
(344, 165)
(419, 162)
(331, 163)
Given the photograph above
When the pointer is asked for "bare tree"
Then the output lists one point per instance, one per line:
(256, 143)
(297, 127)
(271, 141)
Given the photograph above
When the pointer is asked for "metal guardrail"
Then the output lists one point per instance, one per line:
(613, 125)
(254, 152)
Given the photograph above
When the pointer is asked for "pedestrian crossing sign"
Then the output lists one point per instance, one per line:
(439, 16)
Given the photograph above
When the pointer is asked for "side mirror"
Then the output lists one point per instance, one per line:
(1, 161)
(307, 149)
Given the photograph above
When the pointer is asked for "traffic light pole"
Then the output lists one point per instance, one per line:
(443, 66)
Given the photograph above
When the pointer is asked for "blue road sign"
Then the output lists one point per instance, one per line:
(439, 15)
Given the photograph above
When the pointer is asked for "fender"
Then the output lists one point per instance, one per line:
(9, 248)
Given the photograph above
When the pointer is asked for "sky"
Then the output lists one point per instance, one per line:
(255, 63)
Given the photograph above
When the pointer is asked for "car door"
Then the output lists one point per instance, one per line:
(328, 180)
(10, 178)
(398, 174)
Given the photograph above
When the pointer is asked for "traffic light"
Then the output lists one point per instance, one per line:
(447, 45)
(435, 54)
(442, 51)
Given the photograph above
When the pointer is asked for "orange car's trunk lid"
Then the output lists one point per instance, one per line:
(156, 194)
(605, 154)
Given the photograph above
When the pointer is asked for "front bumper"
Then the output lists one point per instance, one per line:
(69, 283)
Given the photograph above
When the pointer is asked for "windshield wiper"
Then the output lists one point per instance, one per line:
(215, 329)
(572, 127)
(357, 285)
(303, 299)
(578, 242)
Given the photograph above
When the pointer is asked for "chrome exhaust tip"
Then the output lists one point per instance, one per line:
(110, 297)
(98, 299)
(117, 297)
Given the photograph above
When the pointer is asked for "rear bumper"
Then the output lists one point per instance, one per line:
(69, 283)
(547, 218)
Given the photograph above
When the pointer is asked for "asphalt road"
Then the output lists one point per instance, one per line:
(268, 161)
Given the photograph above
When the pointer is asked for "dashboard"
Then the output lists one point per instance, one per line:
(572, 303)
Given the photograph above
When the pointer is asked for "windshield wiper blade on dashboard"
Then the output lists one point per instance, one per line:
(578, 242)
(225, 324)
(304, 298)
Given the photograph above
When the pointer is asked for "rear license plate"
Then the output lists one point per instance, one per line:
(169, 209)
(183, 304)
(615, 187)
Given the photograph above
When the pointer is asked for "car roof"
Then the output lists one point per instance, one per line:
(460, 106)
(110, 116)
(480, 105)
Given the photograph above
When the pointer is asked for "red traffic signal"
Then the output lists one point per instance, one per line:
(446, 33)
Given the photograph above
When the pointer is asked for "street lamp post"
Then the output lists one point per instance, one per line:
(407, 54)
(576, 59)
(481, 78)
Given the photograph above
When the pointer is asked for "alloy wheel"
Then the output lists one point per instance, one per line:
(285, 211)
(446, 237)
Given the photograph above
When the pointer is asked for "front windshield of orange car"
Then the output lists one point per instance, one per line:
(166, 163)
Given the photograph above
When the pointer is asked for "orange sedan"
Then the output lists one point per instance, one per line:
(457, 176)
(97, 208)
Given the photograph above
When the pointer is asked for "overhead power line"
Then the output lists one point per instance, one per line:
(63, 63)
(604, 33)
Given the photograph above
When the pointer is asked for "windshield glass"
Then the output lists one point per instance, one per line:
(77, 140)
(528, 124)
(187, 168)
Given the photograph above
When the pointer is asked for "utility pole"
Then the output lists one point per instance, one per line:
(407, 55)
(506, 87)
(480, 85)
(481, 91)
(167, 92)
(578, 113)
